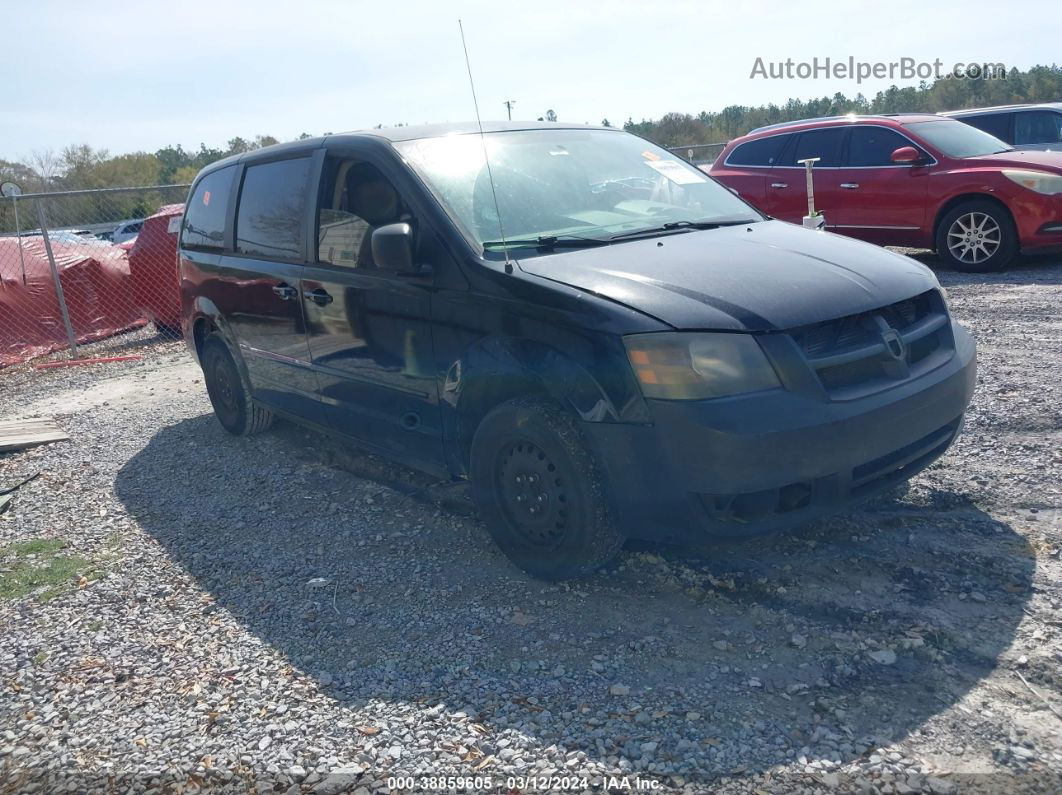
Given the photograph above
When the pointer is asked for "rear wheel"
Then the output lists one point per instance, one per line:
(977, 237)
(539, 490)
(228, 392)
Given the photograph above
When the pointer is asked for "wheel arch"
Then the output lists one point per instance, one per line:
(207, 318)
(202, 326)
(499, 370)
(963, 198)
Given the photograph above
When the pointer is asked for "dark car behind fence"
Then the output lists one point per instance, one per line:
(63, 283)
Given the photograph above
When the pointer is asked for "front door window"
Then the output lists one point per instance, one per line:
(1038, 127)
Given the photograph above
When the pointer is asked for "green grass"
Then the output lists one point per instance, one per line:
(36, 565)
(34, 546)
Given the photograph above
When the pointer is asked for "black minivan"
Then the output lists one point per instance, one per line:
(606, 341)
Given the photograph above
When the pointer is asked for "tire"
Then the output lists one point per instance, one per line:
(228, 391)
(539, 491)
(984, 224)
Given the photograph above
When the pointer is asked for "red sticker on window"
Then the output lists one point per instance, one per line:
(206, 198)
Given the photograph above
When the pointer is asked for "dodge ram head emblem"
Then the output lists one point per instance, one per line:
(894, 344)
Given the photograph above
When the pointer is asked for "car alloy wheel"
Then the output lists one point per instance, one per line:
(974, 238)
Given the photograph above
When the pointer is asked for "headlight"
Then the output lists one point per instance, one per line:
(1039, 181)
(695, 366)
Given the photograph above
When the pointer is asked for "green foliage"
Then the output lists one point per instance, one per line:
(80, 167)
(1038, 84)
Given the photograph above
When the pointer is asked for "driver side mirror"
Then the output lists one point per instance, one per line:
(907, 156)
(392, 248)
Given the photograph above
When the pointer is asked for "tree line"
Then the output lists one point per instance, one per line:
(1038, 84)
(79, 167)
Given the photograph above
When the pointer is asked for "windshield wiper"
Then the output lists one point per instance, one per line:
(548, 242)
(674, 226)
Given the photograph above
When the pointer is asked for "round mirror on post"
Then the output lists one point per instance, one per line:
(10, 190)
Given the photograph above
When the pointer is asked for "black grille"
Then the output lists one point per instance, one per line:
(869, 351)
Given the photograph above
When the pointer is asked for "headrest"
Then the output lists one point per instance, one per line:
(370, 195)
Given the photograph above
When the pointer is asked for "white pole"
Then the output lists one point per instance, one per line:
(812, 220)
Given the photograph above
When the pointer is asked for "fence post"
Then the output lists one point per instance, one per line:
(18, 237)
(71, 337)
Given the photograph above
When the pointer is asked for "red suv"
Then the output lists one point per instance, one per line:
(905, 180)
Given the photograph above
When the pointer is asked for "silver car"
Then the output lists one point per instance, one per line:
(1021, 126)
(126, 230)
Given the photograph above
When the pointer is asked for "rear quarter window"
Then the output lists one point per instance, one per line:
(760, 152)
(204, 217)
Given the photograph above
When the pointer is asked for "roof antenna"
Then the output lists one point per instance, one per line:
(483, 140)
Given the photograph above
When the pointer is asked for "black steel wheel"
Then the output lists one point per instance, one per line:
(539, 490)
(228, 392)
(531, 492)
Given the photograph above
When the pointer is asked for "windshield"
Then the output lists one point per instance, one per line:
(567, 185)
(956, 139)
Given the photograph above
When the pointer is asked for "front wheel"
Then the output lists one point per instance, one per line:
(228, 392)
(977, 237)
(538, 489)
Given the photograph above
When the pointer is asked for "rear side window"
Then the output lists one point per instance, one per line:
(272, 208)
(824, 144)
(1037, 127)
(204, 217)
(997, 124)
(873, 146)
(761, 152)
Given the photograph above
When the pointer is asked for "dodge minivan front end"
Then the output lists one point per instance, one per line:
(751, 433)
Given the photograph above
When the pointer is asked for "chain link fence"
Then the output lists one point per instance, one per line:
(81, 266)
(698, 154)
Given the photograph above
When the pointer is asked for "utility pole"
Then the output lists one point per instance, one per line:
(509, 107)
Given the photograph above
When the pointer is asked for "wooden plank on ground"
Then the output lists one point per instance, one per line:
(20, 434)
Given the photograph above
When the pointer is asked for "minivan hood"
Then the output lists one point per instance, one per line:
(758, 277)
(1021, 158)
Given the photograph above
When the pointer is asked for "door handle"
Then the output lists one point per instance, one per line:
(285, 291)
(779, 184)
(319, 296)
(849, 185)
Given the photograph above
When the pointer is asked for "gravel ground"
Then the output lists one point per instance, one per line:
(275, 613)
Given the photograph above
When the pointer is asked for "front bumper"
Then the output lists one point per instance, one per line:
(1039, 222)
(762, 462)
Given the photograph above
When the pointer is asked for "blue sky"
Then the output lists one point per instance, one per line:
(140, 75)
